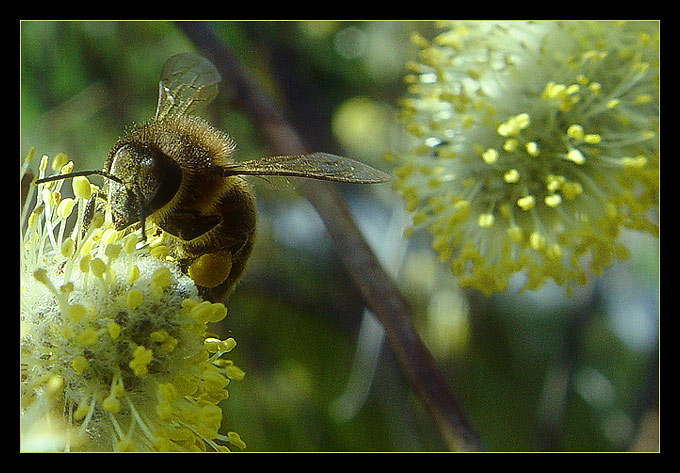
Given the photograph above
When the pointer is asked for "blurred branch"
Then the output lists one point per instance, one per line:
(378, 289)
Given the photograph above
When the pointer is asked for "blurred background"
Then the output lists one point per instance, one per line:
(534, 371)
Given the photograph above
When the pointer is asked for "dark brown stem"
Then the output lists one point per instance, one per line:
(378, 289)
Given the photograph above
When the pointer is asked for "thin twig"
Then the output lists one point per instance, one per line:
(377, 288)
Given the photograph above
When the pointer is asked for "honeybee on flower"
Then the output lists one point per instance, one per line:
(114, 350)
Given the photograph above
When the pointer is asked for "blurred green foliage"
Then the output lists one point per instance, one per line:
(534, 371)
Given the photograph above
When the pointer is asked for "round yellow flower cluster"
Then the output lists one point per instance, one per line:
(114, 350)
(535, 143)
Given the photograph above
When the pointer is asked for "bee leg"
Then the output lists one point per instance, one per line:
(95, 205)
(187, 224)
(142, 210)
(217, 273)
(217, 264)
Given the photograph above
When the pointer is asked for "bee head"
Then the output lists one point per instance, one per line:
(147, 180)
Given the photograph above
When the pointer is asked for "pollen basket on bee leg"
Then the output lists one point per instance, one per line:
(211, 269)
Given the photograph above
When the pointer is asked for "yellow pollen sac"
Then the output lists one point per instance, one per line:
(157, 240)
(515, 233)
(212, 344)
(527, 202)
(111, 404)
(571, 189)
(536, 241)
(648, 135)
(87, 247)
(227, 345)
(643, 99)
(65, 208)
(98, 267)
(576, 156)
(129, 243)
(554, 251)
(133, 274)
(532, 149)
(112, 251)
(109, 236)
(522, 120)
(159, 336)
(67, 288)
(234, 372)
(54, 385)
(134, 299)
(97, 220)
(576, 132)
(572, 89)
(636, 162)
(613, 103)
(87, 337)
(114, 330)
(79, 364)
(554, 182)
(76, 312)
(35, 214)
(141, 358)
(161, 278)
(84, 263)
(208, 312)
(514, 125)
(592, 138)
(485, 220)
(41, 276)
(235, 440)
(29, 155)
(59, 160)
(67, 168)
(68, 247)
(553, 90)
(159, 252)
(510, 145)
(512, 176)
(47, 197)
(595, 87)
(81, 187)
(553, 200)
(490, 156)
(81, 411)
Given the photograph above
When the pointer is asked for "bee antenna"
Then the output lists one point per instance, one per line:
(138, 193)
(80, 173)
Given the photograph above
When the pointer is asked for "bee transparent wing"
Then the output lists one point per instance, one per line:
(188, 81)
(322, 166)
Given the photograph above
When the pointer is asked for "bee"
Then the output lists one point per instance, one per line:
(177, 172)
